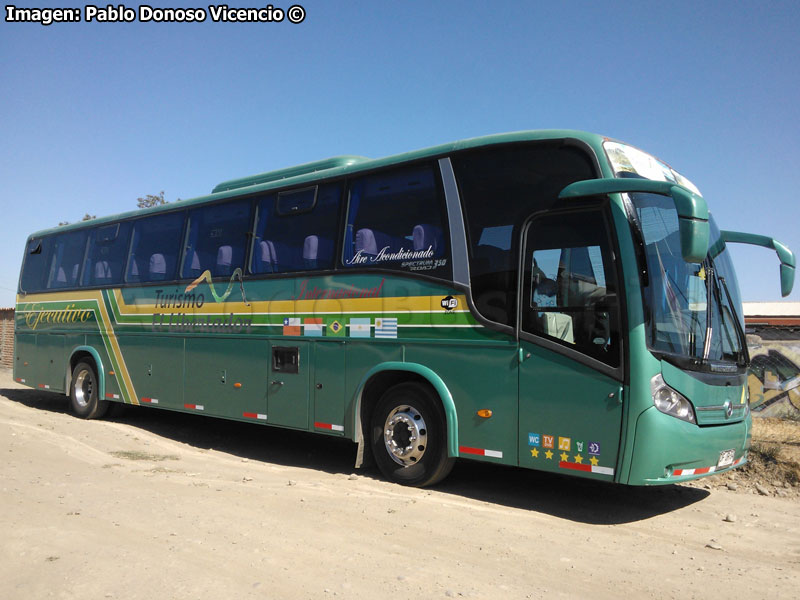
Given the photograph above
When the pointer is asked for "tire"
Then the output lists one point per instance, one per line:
(409, 436)
(84, 393)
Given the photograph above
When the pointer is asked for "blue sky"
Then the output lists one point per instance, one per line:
(94, 115)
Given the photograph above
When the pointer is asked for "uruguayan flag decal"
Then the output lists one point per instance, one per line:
(386, 328)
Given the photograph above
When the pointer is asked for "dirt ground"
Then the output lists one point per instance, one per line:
(150, 504)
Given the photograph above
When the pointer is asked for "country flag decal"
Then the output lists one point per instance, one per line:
(312, 327)
(292, 326)
(360, 327)
(386, 328)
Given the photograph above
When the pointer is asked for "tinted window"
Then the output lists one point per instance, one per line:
(295, 233)
(65, 260)
(34, 267)
(500, 188)
(297, 201)
(570, 287)
(155, 248)
(396, 220)
(105, 258)
(217, 239)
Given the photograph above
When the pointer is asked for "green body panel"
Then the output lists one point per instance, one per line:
(213, 368)
(569, 415)
(25, 358)
(318, 168)
(155, 364)
(51, 352)
(664, 443)
(329, 364)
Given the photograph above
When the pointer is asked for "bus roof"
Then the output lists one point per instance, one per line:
(332, 168)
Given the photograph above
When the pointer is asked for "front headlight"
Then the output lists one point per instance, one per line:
(669, 401)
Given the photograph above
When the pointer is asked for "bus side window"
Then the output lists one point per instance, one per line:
(296, 230)
(66, 259)
(571, 287)
(35, 263)
(105, 258)
(396, 220)
(217, 239)
(155, 247)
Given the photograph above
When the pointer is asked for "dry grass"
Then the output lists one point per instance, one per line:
(775, 452)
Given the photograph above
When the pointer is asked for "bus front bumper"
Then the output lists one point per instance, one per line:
(668, 450)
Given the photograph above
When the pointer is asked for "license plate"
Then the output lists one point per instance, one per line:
(725, 458)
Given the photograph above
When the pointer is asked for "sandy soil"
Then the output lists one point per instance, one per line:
(150, 504)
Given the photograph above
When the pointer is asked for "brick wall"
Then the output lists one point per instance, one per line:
(6, 337)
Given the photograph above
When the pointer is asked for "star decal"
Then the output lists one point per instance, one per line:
(548, 454)
(564, 457)
(594, 461)
(578, 459)
(535, 453)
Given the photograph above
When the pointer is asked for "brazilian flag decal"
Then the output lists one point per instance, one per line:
(334, 327)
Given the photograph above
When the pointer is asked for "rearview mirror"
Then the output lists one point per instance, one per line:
(692, 208)
(785, 255)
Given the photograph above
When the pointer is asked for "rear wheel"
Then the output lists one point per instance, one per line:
(409, 436)
(84, 392)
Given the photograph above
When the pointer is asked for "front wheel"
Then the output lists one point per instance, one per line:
(84, 393)
(409, 436)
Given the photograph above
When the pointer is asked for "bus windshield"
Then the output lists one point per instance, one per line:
(693, 310)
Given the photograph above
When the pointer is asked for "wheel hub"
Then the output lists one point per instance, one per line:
(405, 435)
(83, 388)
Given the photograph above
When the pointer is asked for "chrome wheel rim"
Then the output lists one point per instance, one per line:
(405, 435)
(84, 385)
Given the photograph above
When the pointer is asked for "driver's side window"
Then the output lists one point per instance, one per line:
(570, 284)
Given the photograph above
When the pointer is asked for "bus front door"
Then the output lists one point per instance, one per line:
(570, 391)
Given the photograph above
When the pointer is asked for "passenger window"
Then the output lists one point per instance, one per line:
(105, 258)
(66, 259)
(396, 220)
(155, 248)
(570, 283)
(297, 230)
(35, 264)
(500, 186)
(217, 239)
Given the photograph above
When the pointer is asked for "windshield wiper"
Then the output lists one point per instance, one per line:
(742, 355)
(709, 304)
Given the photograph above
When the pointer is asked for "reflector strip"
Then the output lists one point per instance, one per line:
(588, 468)
(20, 379)
(149, 400)
(703, 470)
(259, 416)
(44, 386)
(194, 406)
(114, 396)
(330, 426)
(480, 451)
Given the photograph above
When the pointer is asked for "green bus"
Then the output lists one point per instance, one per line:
(555, 300)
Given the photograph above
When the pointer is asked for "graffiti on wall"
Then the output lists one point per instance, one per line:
(774, 379)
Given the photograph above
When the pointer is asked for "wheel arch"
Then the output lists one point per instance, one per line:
(380, 378)
(79, 353)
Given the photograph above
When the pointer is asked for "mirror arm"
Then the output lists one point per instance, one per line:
(786, 256)
(692, 208)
